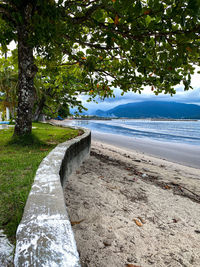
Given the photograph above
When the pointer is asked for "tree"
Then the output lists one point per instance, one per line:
(8, 82)
(57, 88)
(119, 43)
(23, 21)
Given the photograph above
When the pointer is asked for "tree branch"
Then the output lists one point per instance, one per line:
(6, 13)
(87, 14)
(69, 3)
(142, 35)
(97, 46)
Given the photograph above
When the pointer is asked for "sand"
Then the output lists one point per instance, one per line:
(182, 153)
(130, 209)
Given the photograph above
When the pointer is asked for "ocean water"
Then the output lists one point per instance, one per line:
(187, 132)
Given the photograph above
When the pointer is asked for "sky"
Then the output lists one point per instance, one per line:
(188, 97)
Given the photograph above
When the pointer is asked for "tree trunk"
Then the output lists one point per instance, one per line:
(39, 108)
(26, 92)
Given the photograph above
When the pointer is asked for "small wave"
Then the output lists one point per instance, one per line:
(180, 132)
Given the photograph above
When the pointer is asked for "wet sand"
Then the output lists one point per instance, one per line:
(184, 154)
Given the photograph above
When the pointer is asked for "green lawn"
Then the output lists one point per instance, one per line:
(19, 160)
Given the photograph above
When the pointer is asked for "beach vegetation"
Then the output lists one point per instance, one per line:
(19, 160)
(122, 43)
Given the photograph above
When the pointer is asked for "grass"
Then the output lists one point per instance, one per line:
(19, 160)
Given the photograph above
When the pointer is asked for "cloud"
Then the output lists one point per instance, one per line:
(189, 97)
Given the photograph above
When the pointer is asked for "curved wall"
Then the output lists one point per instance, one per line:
(44, 236)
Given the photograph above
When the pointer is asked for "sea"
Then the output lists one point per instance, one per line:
(179, 131)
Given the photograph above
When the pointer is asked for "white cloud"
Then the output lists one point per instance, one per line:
(191, 96)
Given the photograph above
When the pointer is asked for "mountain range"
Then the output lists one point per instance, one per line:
(153, 109)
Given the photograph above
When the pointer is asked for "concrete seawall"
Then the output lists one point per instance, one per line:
(44, 236)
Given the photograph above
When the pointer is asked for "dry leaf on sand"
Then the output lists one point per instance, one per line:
(76, 222)
(137, 222)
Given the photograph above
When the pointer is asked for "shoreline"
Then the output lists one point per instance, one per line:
(184, 154)
(122, 202)
(181, 153)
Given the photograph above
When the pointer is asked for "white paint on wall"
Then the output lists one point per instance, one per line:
(6, 250)
(44, 236)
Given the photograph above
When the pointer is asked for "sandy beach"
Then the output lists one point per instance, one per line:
(184, 154)
(130, 209)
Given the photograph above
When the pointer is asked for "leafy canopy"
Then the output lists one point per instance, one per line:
(8, 82)
(57, 86)
(116, 43)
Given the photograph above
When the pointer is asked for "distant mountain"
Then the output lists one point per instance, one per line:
(153, 109)
(101, 113)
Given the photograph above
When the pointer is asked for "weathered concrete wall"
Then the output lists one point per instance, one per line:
(44, 236)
